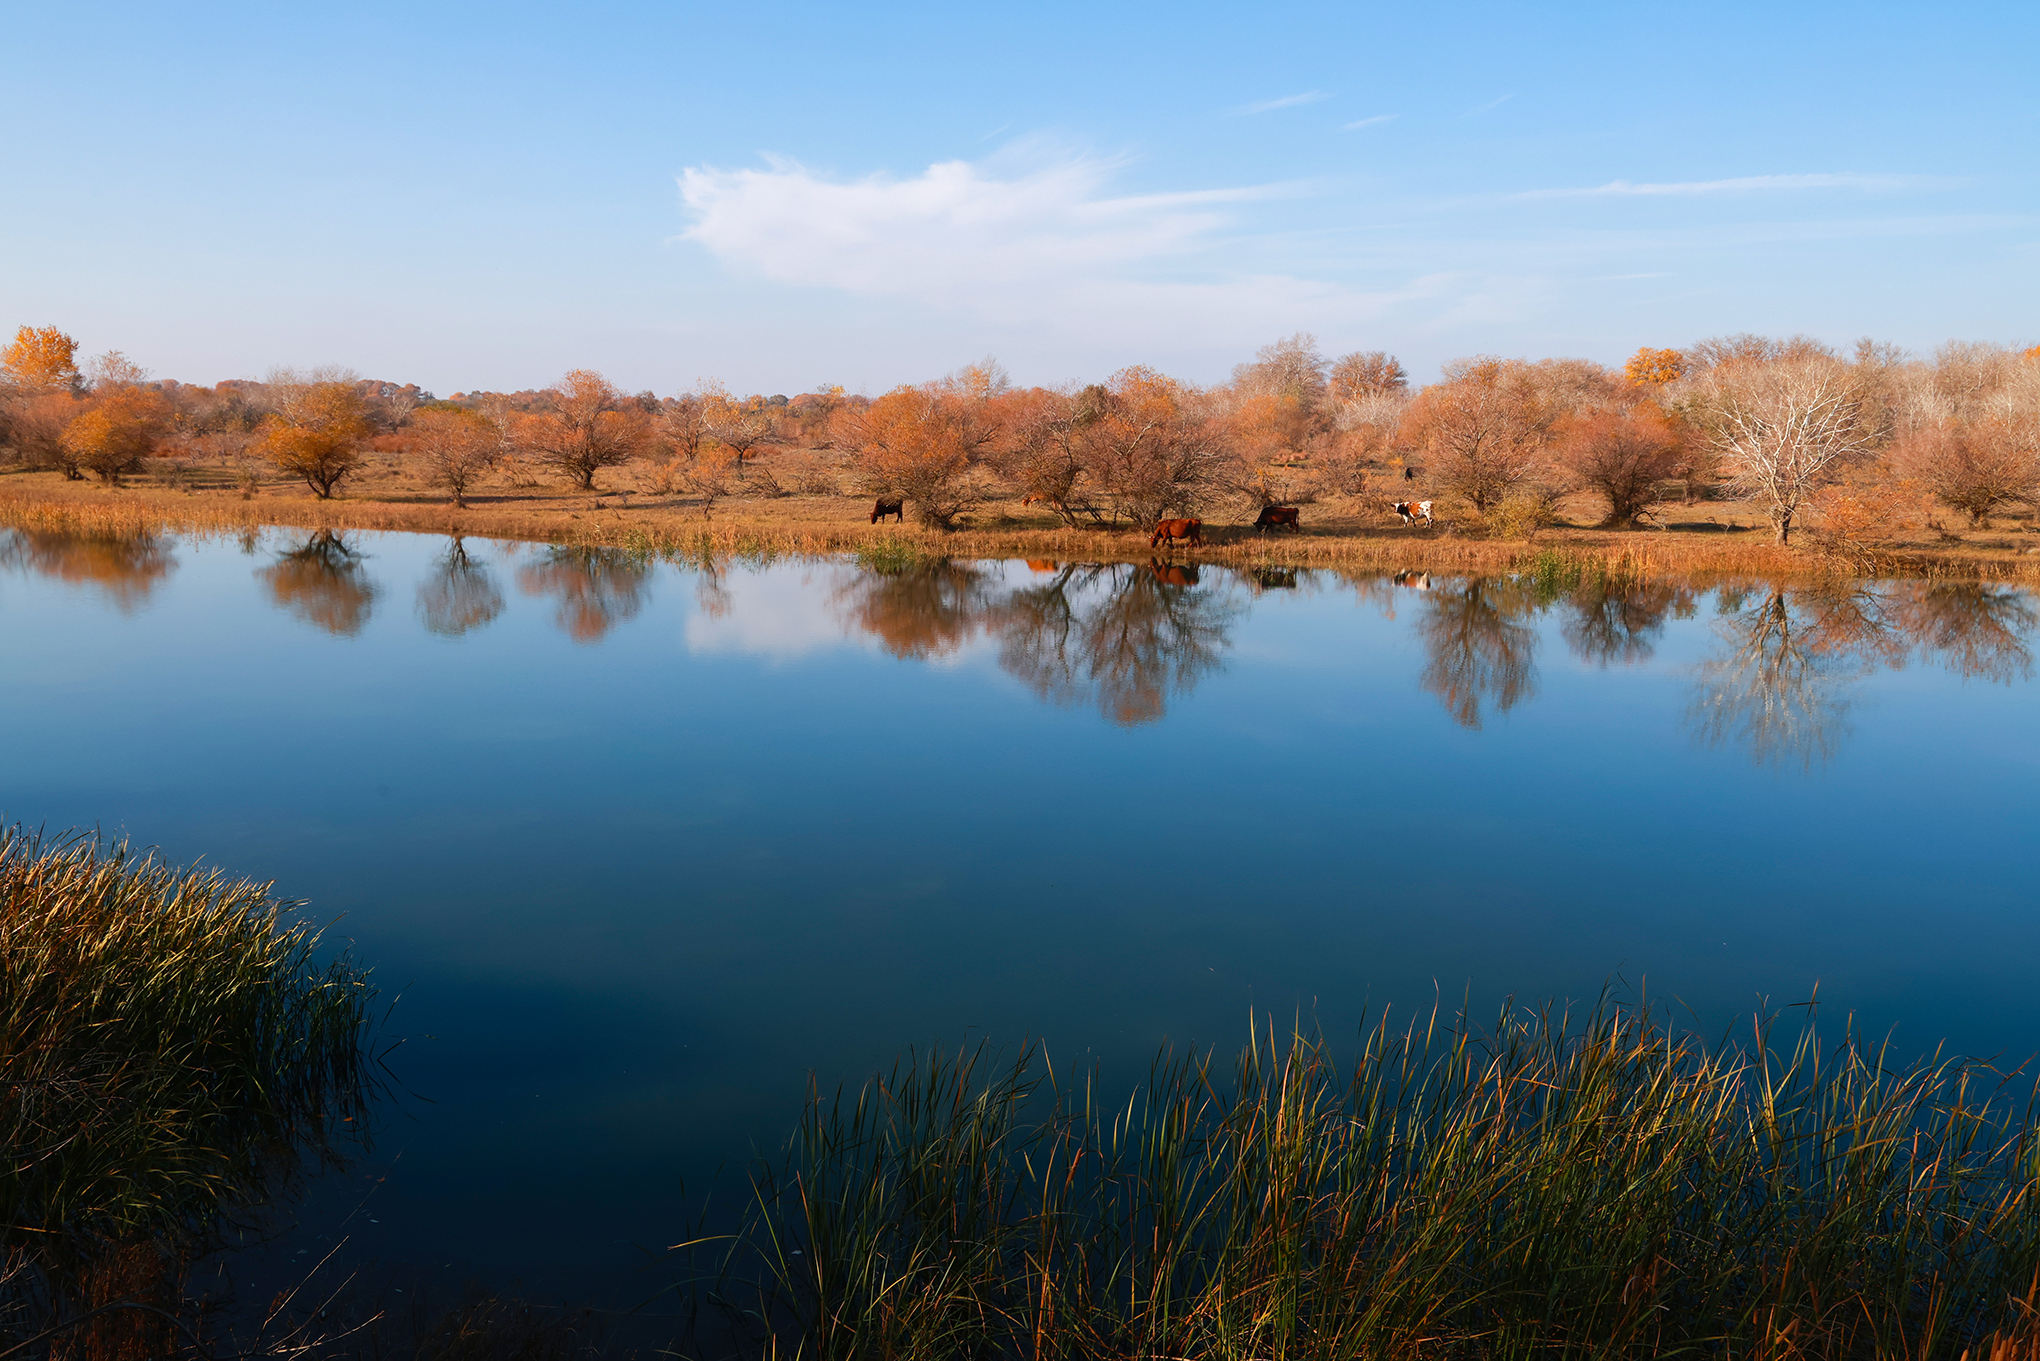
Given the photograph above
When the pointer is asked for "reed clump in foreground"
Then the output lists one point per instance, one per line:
(173, 1051)
(1591, 1185)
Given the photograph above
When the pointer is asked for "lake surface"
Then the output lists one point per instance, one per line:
(641, 845)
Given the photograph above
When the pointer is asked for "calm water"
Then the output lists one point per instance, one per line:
(641, 845)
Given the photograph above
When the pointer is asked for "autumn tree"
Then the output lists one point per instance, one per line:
(41, 359)
(738, 425)
(1366, 373)
(922, 443)
(1781, 427)
(1482, 432)
(454, 446)
(1278, 400)
(1649, 368)
(1047, 444)
(317, 429)
(117, 431)
(1624, 455)
(591, 426)
(1158, 449)
(1976, 468)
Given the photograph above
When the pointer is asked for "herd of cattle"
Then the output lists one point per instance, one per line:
(1192, 531)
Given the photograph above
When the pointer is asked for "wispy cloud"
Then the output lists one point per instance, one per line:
(1034, 243)
(1370, 122)
(1743, 185)
(1286, 102)
(1491, 104)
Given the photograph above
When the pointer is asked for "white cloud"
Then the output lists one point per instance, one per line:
(1370, 122)
(1045, 243)
(1286, 102)
(1745, 184)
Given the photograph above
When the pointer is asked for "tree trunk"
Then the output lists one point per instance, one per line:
(1784, 523)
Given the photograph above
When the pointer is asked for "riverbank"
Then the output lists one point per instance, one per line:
(1710, 540)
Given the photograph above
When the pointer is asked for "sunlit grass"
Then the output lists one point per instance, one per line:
(173, 1051)
(1590, 1185)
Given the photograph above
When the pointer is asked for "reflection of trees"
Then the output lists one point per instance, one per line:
(126, 567)
(597, 588)
(1613, 620)
(1976, 630)
(924, 611)
(459, 595)
(1122, 636)
(1780, 686)
(1479, 653)
(322, 582)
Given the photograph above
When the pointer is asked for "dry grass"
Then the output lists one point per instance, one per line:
(1555, 1186)
(1712, 540)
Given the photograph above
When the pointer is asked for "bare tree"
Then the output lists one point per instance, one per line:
(460, 595)
(454, 446)
(1781, 427)
(738, 425)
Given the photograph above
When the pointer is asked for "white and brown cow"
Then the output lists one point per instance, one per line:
(1413, 511)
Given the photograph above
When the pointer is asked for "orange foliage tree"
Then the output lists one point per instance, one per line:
(116, 432)
(922, 443)
(1654, 368)
(1156, 450)
(1624, 455)
(317, 432)
(41, 359)
(1482, 431)
(592, 426)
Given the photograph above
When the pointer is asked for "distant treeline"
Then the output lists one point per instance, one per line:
(1869, 440)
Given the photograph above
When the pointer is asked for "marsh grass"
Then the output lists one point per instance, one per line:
(1592, 1185)
(173, 1053)
(767, 529)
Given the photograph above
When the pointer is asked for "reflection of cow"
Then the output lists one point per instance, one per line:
(1189, 531)
(882, 508)
(1171, 574)
(1273, 517)
(1275, 578)
(1042, 564)
(1416, 581)
(1412, 511)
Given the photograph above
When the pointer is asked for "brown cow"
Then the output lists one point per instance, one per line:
(1190, 531)
(896, 509)
(1274, 517)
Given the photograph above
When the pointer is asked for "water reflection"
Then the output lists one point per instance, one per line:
(1610, 622)
(126, 568)
(919, 612)
(1125, 639)
(322, 582)
(1780, 685)
(596, 588)
(460, 594)
(1482, 656)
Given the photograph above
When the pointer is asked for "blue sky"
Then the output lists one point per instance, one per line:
(783, 196)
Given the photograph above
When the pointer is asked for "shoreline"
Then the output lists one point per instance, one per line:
(830, 526)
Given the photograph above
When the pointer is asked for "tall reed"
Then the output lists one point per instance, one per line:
(173, 1050)
(1591, 1184)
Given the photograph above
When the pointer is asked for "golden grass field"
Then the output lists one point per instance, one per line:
(1712, 538)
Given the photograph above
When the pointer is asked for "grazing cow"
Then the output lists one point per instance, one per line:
(1413, 511)
(1170, 574)
(1273, 517)
(1190, 531)
(882, 508)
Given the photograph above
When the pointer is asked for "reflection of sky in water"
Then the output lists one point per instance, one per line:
(641, 845)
